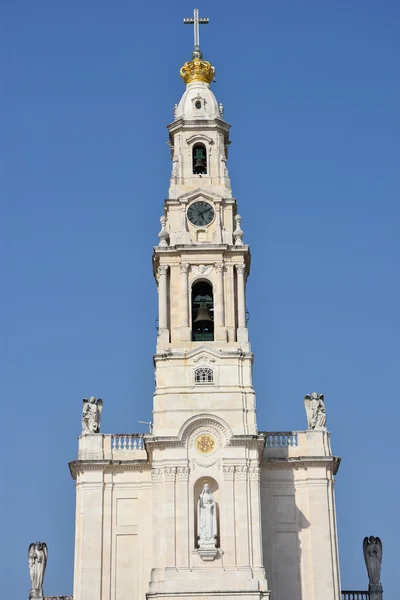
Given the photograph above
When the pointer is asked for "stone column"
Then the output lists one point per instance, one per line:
(163, 332)
(158, 550)
(182, 517)
(185, 332)
(256, 525)
(170, 518)
(242, 518)
(219, 304)
(227, 526)
(242, 334)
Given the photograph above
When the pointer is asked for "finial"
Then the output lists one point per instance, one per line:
(163, 235)
(197, 69)
(238, 233)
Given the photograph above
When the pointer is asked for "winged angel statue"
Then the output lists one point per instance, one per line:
(315, 409)
(37, 560)
(372, 548)
(91, 414)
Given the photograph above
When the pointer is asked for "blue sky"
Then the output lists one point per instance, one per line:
(312, 91)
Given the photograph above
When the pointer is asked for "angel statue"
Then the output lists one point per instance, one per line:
(91, 414)
(315, 409)
(372, 548)
(206, 517)
(37, 560)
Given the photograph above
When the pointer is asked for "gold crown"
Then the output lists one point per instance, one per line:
(197, 70)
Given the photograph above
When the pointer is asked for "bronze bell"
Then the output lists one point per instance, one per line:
(200, 164)
(203, 316)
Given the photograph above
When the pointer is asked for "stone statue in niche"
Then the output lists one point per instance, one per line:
(91, 414)
(372, 548)
(207, 524)
(316, 413)
(37, 560)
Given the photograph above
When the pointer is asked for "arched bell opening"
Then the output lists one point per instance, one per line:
(199, 159)
(198, 489)
(202, 312)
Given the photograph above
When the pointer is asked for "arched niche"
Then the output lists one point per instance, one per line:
(197, 488)
(199, 159)
(202, 311)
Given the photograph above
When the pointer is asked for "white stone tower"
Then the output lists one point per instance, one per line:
(141, 530)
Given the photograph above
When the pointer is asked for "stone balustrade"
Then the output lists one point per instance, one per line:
(131, 446)
(296, 444)
(127, 441)
(355, 595)
(112, 446)
(280, 438)
(59, 598)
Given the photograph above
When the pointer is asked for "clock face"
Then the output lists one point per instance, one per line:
(200, 213)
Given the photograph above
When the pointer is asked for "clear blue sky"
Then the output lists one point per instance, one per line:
(312, 91)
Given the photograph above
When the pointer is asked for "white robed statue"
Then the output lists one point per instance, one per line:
(206, 517)
(91, 413)
(37, 560)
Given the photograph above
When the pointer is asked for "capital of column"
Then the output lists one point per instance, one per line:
(162, 270)
(254, 472)
(184, 267)
(228, 472)
(240, 269)
(169, 473)
(219, 267)
(157, 474)
(182, 473)
(241, 472)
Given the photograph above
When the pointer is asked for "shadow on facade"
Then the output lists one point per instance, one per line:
(283, 528)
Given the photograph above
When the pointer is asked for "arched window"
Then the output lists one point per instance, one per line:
(202, 312)
(199, 159)
(203, 376)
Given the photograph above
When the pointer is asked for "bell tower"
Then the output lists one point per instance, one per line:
(205, 505)
(201, 265)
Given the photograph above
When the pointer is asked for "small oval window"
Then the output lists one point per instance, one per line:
(198, 104)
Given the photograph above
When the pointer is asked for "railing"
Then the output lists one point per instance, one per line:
(355, 595)
(127, 441)
(58, 598)
(203, 336)
(280, 439)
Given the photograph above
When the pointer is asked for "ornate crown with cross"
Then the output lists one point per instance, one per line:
(197, 70)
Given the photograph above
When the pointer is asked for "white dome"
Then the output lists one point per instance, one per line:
(198, 102)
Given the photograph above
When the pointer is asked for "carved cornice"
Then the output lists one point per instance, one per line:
(78, 467)
(331, 463)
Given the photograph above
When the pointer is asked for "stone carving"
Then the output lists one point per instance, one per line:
(91, 414)
(372, 548)
(163, 235)
(315, 410)
(207, 524)
(162, 270)
(37, 560)
(221, 109)
(203, 270)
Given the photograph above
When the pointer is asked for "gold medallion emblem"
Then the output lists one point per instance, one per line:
(205, 443)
